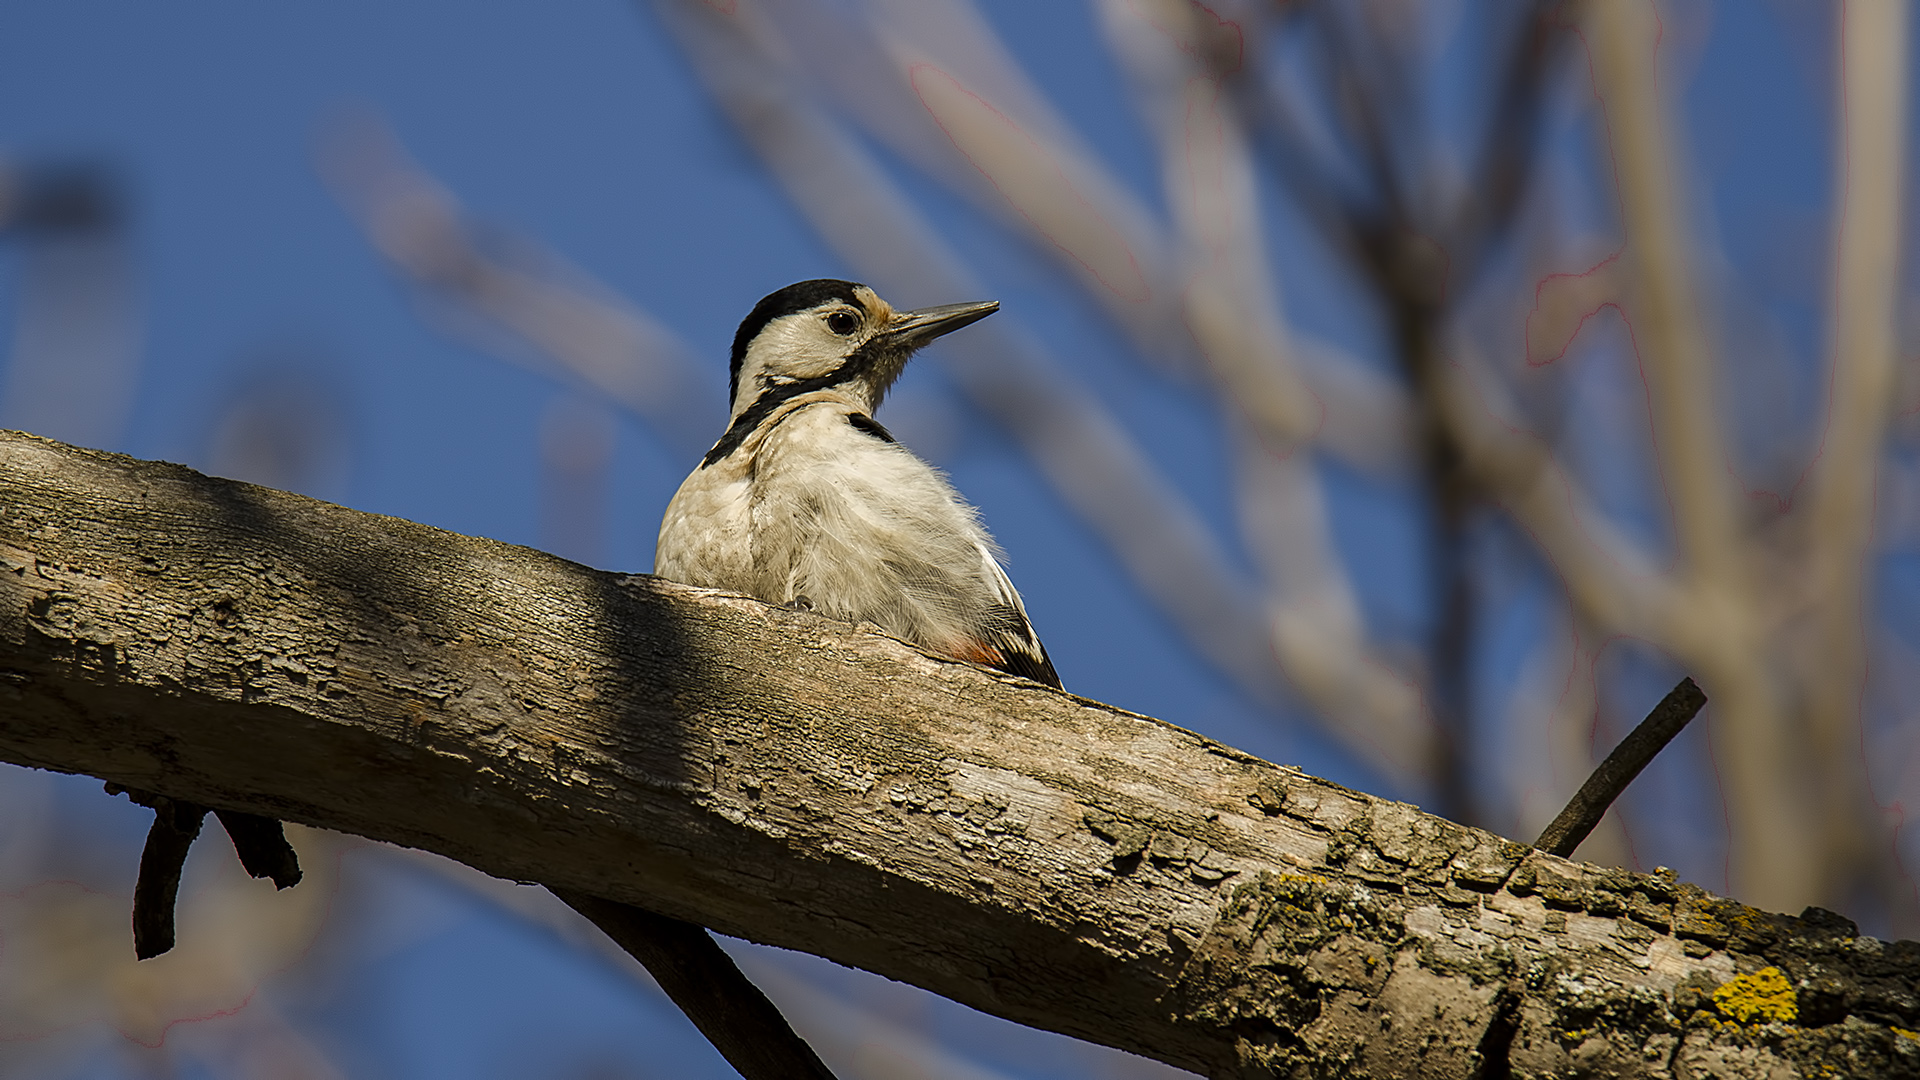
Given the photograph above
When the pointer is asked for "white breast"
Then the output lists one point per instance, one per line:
(860, 528)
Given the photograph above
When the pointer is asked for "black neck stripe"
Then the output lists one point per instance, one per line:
(861, 422)
(771, 398)
(763, 406)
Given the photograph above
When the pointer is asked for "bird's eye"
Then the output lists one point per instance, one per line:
(842, 323)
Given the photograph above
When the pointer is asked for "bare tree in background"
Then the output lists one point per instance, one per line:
(1479, 257)
(74, 360)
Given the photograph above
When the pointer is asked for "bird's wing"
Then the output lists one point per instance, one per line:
(1006, 637)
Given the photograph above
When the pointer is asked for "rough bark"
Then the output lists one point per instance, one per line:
(821, 787)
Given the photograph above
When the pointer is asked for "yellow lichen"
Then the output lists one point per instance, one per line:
(1905, 1034)
(1764, 995)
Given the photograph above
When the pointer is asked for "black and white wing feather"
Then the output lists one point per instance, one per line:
(1007, 640)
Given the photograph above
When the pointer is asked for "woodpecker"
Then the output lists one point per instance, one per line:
(807, 501)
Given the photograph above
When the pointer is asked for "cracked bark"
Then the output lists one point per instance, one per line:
(816, 786)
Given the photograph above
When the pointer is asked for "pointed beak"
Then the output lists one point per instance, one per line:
(911, 329)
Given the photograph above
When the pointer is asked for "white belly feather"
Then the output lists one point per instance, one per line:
(857, 527)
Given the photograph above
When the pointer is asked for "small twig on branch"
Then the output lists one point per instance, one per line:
(259, 841)
(175, 825)
(1590, 803)
(262, 846)
(703, 980)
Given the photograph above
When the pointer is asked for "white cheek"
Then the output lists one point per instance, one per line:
(801, 349)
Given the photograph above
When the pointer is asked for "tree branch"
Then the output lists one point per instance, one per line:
(816, 786)
(1870, 183)
(1639, 748)
(704, 981)
(262, 847)
(176, 824)
(515, 290)
(1721, 635)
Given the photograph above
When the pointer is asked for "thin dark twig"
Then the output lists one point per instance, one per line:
(1590, 803)
(1410, 246)
(703, 980)
(262, 846)
(1508, 156)
(1281, 134)
(175, 825)
(259, 841)
(1376, 85)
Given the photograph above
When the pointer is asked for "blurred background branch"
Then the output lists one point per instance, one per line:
(74, 363)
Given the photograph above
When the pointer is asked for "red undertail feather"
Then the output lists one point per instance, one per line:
(1026, 658)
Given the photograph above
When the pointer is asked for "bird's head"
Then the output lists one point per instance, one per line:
(830, 334)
